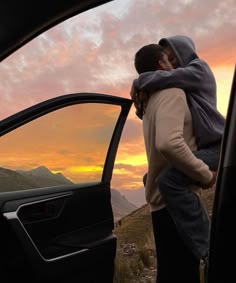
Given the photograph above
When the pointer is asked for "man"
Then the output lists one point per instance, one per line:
(169, 141)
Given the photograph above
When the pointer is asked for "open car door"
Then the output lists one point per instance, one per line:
(56, 219)
(223, 233)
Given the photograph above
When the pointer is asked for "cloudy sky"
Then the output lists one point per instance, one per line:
(94, 51)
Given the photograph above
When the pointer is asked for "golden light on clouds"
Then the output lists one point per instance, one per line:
(84, 169)
(135, 160)
(224, 77)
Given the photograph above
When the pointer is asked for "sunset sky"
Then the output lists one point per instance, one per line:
(94, 51)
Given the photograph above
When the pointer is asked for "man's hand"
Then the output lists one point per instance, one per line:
(211, 183)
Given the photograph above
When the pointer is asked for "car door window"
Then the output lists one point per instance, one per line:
(64, 147)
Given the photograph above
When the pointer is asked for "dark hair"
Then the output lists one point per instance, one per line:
(147, 57)
(164, 43)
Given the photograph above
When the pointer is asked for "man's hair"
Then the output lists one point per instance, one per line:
(147, 57)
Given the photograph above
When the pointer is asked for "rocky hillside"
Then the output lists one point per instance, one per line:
(134, 227)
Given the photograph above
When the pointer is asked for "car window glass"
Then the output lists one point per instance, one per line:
(66, 146)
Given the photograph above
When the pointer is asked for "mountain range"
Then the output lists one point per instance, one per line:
(11, 180)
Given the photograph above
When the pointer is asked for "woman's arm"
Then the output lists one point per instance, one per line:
(187, 78)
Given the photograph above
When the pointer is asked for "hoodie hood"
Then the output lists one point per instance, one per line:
(183, 48)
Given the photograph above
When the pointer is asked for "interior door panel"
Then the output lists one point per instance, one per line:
(60, 233)
(50, 236)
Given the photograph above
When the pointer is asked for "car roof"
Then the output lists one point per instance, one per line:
(22, 20)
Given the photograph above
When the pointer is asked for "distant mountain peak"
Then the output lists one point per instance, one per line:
(135, 196)
(43, 176)
(42, 167)
(120, 205)
(41, 170)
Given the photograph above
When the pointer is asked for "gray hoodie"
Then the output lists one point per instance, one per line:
(195, 77)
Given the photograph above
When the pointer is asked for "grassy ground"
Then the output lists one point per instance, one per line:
(136, 228)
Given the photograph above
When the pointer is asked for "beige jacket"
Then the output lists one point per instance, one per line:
(169, 140)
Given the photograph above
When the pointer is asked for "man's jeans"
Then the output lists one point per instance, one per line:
(185, 207)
